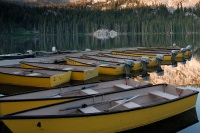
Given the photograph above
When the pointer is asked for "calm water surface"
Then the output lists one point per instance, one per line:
(185, 75)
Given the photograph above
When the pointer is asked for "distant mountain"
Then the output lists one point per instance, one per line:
(107, 4)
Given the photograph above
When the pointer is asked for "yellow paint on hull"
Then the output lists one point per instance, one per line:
(102, 123)
(137, 66)
(72, 62)
(85, 75)
(22, 65)
(111, 70)
(46, 82)
(152, 63)
(9, 107)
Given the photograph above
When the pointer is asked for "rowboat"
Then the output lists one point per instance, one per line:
(77, 72)
(111, 112)
(137, 63)
(108, 68)
(166, 56)
(33, 78)
(153, 62)
(188, 48)
(186, 51)
(22, 101)
(180, 54)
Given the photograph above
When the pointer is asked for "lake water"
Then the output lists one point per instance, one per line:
(186, 75)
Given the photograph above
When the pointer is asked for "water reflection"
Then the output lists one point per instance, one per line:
(81, 42)
(182, 75)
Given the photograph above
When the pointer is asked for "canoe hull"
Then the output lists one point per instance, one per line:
(75, 75)
(102, 123)
(45, 82)
(102, 69)
(111, 70)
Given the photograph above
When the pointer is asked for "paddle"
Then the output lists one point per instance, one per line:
(85, 105)
(125, 101)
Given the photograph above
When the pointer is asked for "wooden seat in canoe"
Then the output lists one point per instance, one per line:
(90, 109)
(89, 91)
(128, 104)
(123, 86)
(163, 95)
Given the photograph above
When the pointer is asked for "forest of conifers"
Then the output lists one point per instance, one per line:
(139, 20)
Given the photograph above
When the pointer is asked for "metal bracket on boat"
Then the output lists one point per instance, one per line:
(173, 54)
(174, 63)
(183, 50)
(144, 61)
(128, 65)
(159, 59)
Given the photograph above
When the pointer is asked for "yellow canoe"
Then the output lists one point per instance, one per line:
(187, 50)
(186, 54)
(104, 67)
(34, 78)
(150, 55)
(113, 112)
(77, 72)
(23, 101)
(137, 65)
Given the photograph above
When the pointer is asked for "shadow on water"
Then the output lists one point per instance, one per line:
(169, 125)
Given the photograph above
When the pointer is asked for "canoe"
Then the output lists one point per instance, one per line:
(108, 68)
(152, 61)
(186, 51)
(137, 64)
(22, 101)
(180, 54)
(77, 72)
(188, 48)
(16, 56)
(141, 54)
(111, 112)
(33, 78)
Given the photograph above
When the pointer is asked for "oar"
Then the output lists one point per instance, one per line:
(125, 101)
(85, 105)
(65, 93)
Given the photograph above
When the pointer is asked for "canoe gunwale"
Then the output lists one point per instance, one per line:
(9, 116)
(92, 95)
(54, 69)
(92, 114)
